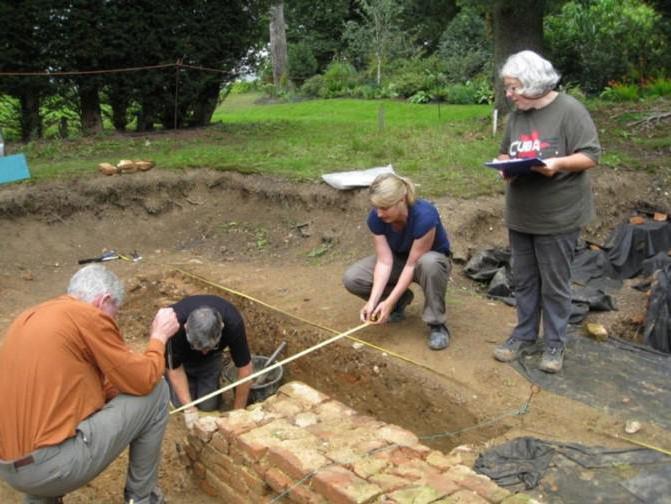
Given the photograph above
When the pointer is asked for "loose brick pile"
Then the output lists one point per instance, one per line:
(254, 455)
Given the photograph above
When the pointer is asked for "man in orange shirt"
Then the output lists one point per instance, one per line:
(75, 396)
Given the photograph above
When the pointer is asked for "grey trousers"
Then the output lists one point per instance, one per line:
(203, 379)
(541, 266)
(431, 273)
(135, 421)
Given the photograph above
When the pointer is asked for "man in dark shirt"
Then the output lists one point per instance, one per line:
(208, 325)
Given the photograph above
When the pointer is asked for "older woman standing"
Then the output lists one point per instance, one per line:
(546, 209)
(411, 245)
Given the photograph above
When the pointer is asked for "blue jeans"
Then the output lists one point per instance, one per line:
(541, 266)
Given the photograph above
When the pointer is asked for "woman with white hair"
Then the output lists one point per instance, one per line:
(411, 245)
(545, 209)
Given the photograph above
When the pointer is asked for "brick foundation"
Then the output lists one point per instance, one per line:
(342, 457)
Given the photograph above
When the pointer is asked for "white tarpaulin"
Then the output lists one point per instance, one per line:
(358, 178)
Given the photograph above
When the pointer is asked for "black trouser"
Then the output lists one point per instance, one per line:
(203, 379)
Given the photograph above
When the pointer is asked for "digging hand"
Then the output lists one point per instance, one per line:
(190, 417)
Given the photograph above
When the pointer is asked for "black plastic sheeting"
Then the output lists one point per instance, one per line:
(574, 473)
(591, 290)
(657, 326)
(596, 271)
(614, 376)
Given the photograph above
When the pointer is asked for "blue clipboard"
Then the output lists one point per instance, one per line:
(515, 167)
(13, 168)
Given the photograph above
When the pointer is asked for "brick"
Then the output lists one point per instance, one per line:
(414, 495)
(303, 495)
(222, 465)
(305, 419)
(236, 422)
(228, 494)
(441, 461)
(459, 472)
(442, 484)
(368, 466)
(296, 461)
(343, 456)
(198, 470)
(303, 393)
(277, 479)
(397, 435)
(252, 446)
(255, 485)
(219, 443)
(195, 442)
(191, 452)
(397, 456)
(519, 499)
(204, 427)
(282, 406)
(463, 497)
(389, 482)
(340, 486)
(485, 488)
(333, 410)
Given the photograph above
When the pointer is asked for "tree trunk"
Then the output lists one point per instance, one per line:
(278, 44)
(31, 122)
(517, 25)
(90, 115)
(119, 101)
(206, 104)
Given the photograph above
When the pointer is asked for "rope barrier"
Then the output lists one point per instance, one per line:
(177, 65)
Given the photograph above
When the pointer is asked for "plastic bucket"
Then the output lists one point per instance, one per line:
(271, 383)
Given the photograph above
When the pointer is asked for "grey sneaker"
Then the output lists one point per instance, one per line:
(553, 360)
(439, 337)
(511, 349)
(398, 313)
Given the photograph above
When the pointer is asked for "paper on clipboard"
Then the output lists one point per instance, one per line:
(515, 167)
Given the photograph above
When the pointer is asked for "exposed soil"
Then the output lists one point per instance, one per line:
(286, 245)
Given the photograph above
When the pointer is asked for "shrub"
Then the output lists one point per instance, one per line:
(596, 42)
(302, 62)
(420, 97)
(339, 80)
(461, 94)
(410, 76)
(618, 92)
(313, 86)
(657, 87)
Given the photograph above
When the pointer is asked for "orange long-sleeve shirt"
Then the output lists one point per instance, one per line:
(60, 362)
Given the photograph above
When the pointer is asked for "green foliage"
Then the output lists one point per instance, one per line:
(302, 63)
(465, 46)
(596, 42)
(376, 38)
(313, 86)
(339, 79)
(619, 92)
(461, 94)
(657, 87)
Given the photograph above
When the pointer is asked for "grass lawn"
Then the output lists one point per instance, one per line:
(441, 147)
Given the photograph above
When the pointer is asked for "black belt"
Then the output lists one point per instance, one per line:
(23, 462)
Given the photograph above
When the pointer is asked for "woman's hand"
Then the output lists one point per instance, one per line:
(366, 312)
(549, 169)
(381, 313)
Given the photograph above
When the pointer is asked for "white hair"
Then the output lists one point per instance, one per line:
(95, 280)
(536, 74)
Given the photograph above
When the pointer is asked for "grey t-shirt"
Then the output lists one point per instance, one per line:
(537, 204)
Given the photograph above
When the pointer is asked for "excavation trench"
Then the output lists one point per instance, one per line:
(368, 380)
